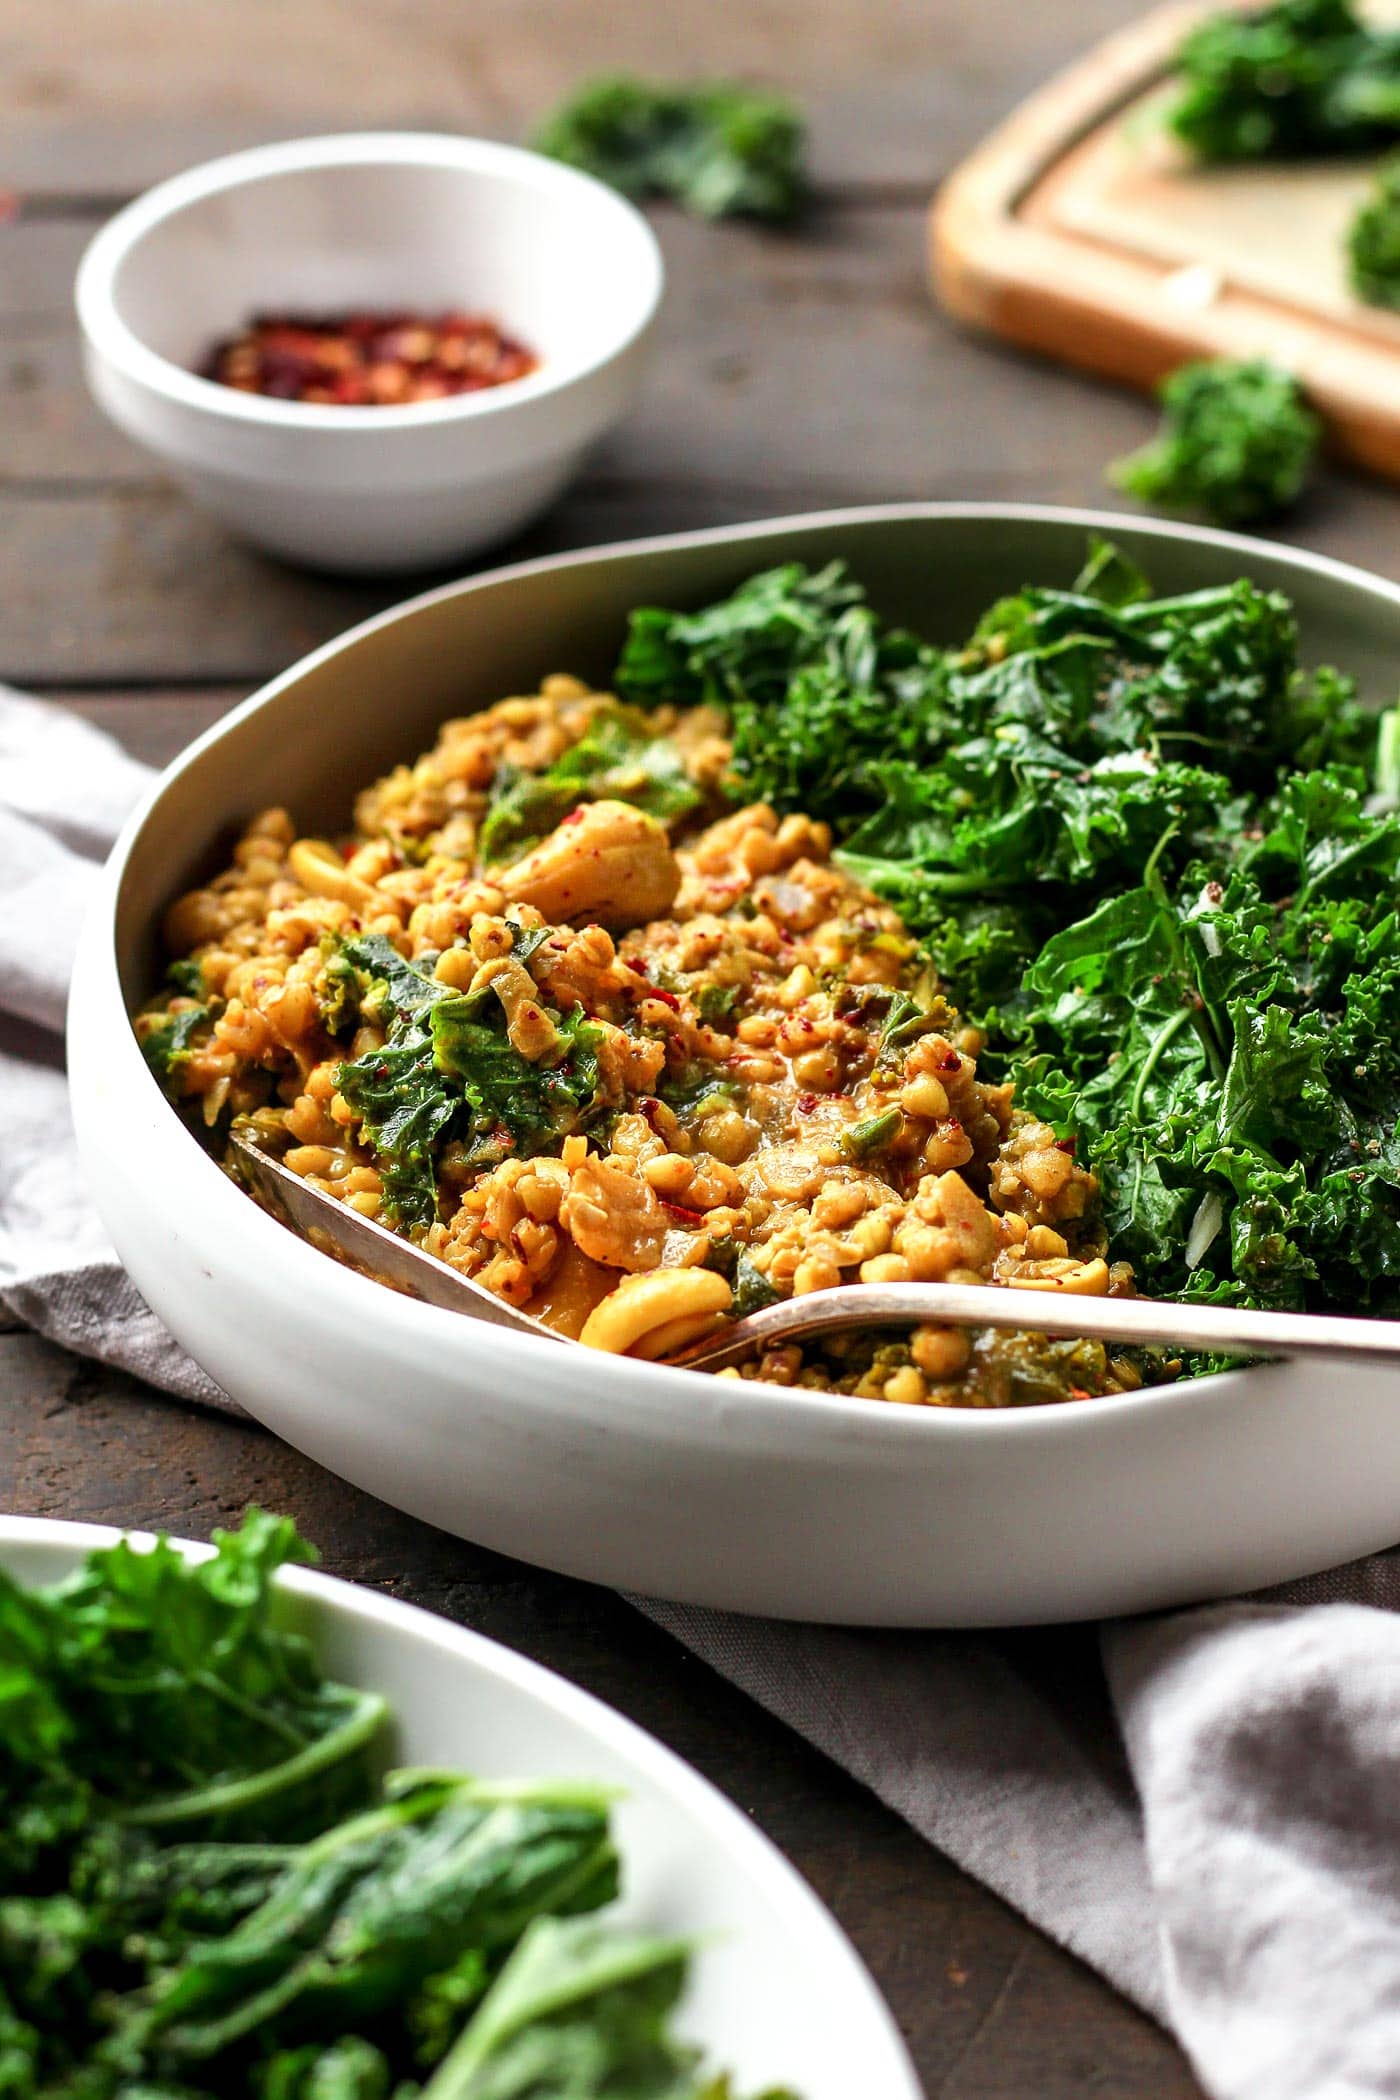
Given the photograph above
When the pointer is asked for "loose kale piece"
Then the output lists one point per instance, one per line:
(449, 1072)
(1237, 444)
(1373, 244)
(715, 147)
(1296, 79)
(618, 758)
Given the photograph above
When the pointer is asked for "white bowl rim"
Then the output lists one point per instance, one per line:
(734, 1832)
(112, 339)
(836, 1420)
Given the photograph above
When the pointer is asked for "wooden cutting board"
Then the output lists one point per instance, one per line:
(1079, 228)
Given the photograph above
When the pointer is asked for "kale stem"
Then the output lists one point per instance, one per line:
(250, 1712)
(1151, 880)
(1197, 1011)
(1170, 1028)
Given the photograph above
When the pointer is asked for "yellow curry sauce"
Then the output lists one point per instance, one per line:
(780, 1099)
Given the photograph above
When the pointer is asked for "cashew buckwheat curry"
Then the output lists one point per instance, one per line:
(814, 953)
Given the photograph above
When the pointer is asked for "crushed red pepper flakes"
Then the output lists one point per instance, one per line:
(368, 360)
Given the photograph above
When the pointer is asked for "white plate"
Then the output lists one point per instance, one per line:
(650, 1478)
(777, 1993)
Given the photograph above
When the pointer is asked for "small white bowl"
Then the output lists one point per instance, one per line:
(379, 221)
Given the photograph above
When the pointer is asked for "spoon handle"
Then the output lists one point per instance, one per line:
(1222, 1328)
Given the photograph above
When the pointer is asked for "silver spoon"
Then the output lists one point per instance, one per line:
(1212, 1329)
(1209, 1328)
(371, 1247)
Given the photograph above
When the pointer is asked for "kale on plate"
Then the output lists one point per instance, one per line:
(1373, 244)
(715, 147)
(208, 1894)
(1158, 861)
(1292, 80)
(1237, 444)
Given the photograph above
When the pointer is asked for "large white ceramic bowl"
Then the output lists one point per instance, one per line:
(380, 221)
(658, 1479)
(777, 1994)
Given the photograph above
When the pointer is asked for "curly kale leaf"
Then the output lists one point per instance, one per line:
(1133, 837)
(1291, 81)
(163, 1689)
(1237, 444)
(618, 759)
(815, 686)
(716, 148)
(449, 1072)
(1373, 243)
(986, 793)
(1226, 1051)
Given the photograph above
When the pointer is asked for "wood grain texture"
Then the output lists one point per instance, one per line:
(98, 100)
(794, 371)
(791, 373)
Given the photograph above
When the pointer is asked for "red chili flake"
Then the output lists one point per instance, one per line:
(951, 1062)
(649, 1105)
(367, 360)
(686, 1216)
(806, 1103)
(666, 998)
(1066, 1144)
(575, 816)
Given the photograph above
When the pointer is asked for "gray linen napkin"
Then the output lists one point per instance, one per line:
(1212, 1820)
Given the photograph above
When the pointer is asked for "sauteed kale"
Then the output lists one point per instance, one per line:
(449, 1066)
(206, 1890)
(1156, 860)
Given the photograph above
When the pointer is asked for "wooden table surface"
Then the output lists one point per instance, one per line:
(796, 370)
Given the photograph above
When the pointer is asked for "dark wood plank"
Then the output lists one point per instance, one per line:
(791, 374)
(152, 726)
(990, 2011)
(804, 362)
(97, 102)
